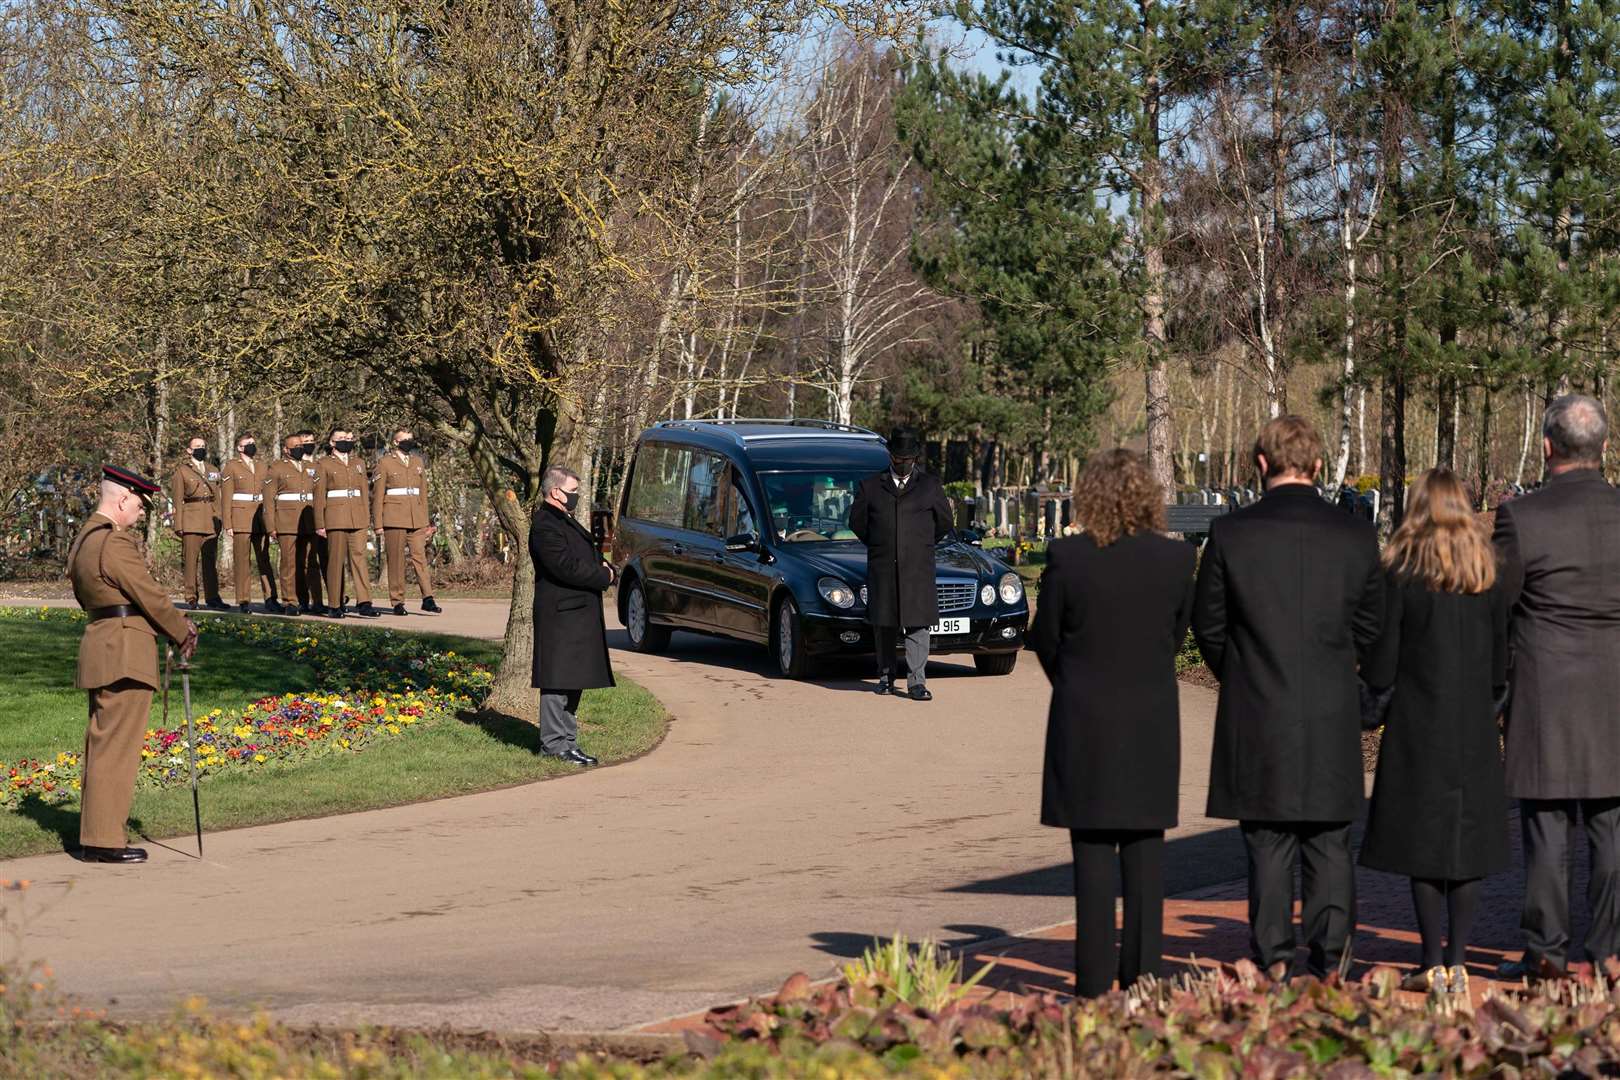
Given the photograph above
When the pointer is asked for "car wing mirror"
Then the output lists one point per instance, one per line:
(742, 542)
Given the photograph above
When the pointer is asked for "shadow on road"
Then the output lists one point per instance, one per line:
(849, 673)
(1190, 862)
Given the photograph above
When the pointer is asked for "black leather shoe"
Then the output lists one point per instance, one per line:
(429, 605)
(304, 609)
(365, 610)
(112, 854)
(578, 757)
(334, 613)
(246, 609)
(885, 684)
(1539, 970)
(920, 693)
(399, 609)
(590, 759)
(275, 607)
(217, 604)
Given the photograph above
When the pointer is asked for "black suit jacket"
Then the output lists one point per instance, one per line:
(1290, 599)
(900, 529)
(1560, 549)
(570, 640)
(1107, 629)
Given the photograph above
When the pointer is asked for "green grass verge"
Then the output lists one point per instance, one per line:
(43, 714)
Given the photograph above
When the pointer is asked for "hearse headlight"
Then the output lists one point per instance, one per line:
(836, 593)
(1012, 588)
(987, 595)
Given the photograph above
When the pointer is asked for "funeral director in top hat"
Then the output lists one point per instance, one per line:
(118, 657)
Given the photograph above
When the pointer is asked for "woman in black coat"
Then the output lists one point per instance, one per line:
(1112, 614)
(1439, 804)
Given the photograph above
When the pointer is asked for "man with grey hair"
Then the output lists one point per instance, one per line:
(570, 634)
(1560, 550)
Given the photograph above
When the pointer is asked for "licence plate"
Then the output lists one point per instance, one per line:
(948, 627)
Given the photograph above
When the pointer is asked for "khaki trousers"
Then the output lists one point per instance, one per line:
(112, 757)
(396, 543)
(256, 541)
(201, 549)
(346, 548)
(298, 567)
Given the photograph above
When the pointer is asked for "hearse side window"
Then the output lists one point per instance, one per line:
(739, 517)
(704, 505)
(658, 484)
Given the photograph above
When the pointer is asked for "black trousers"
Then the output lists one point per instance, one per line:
(1141, 864)
(1548, 826)
(1328, 888)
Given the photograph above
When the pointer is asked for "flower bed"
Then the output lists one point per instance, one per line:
(384, 685)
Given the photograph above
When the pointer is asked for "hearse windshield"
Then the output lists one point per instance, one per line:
(812, 507)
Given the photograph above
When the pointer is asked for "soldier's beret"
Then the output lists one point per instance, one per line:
(129, 478)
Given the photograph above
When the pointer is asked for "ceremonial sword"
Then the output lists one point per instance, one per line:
(191, 734)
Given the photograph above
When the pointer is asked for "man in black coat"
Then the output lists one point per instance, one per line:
(1560, 551)
(570, 638)
(900, 514)
(1289, 600)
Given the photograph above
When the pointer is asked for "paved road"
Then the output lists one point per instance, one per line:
(779, 827)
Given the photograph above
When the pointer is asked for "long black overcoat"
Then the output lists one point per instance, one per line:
(900, 530)
(1439, 803)
(1107, 631)
(1290, 599)
(1560, 549)
(570, 640)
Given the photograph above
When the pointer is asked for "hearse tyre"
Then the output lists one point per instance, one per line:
(638, 627)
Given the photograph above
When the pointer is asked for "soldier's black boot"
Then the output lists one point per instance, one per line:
(335, 612)
(429, 605)
(275, 607)
(112, 854)
(246, 608)
(216, 604)
(365, 609)
(399, 609)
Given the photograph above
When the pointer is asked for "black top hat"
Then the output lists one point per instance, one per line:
(130, 479)
(905, 443)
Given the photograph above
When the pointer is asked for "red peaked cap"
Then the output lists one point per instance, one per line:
(129, 478)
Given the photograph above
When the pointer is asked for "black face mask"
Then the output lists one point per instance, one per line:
(343, 446)
(297, 453)
(249, 450)
(405, 446)
(571, 501)
(200, 454)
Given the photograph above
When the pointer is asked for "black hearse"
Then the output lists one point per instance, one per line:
(741, 528)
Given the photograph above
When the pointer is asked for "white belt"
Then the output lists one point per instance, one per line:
(294, 497)
(402, 491)
(344, 493)
(240, 497)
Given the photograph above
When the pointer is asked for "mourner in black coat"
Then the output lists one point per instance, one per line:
(901, 514)
(1560, 549)
(1439, 805)
(1290, 599)
(1110, 622)
(570, 639)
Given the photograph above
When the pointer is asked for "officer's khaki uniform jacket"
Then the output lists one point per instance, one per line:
(241, 494)
(289, 498)
(107, 569)
(399, 498)
(340, 494)
(195, 494)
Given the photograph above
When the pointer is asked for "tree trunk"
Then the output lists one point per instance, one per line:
(1392, 468)
(511, 692)
(1484, 456)
(1160, 419)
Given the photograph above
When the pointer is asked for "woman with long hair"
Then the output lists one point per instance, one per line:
(1439, 804)
(1113, 612)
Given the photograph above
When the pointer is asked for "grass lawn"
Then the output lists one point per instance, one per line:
(42, 714)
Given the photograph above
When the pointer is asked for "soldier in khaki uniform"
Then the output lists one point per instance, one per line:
(317, 580)
(118, 658)
(194, 491)
(289, 508)
(241, 496)
(399, 510)
(342, 517)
